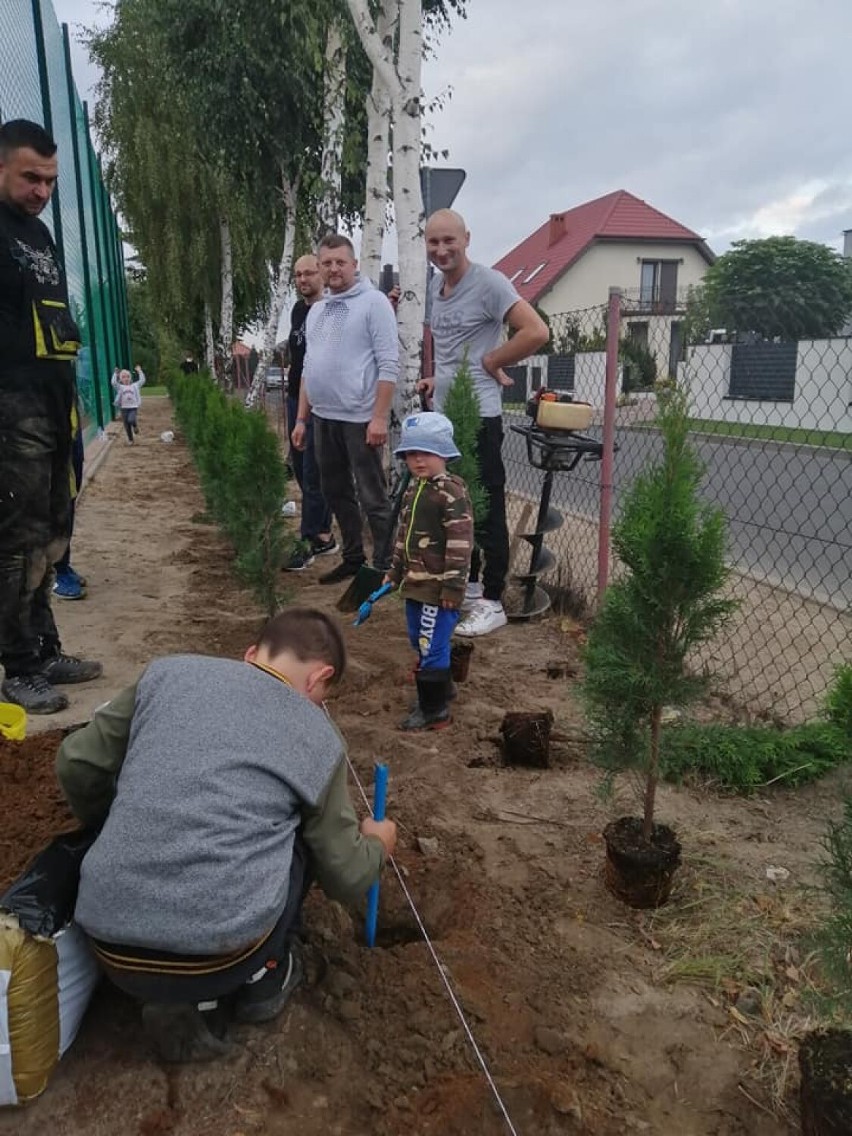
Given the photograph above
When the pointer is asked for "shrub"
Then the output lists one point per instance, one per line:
(461, 406)
(745, 758)
(838, 701)
(640, 366)
(242, 477)
(834, 937)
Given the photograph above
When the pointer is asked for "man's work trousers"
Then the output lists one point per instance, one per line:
(35, 523)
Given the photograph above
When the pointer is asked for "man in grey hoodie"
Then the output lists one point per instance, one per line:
(348, 383)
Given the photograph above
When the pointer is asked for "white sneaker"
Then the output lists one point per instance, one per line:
(472, 596)
(485, 617)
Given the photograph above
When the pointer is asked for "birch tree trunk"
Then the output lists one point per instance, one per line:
(379, 113)
(290, 191)
(209, 343)
(226, 318)
(408, 202)
(334, 126)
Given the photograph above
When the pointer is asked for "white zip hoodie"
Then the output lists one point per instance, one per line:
(352, 346)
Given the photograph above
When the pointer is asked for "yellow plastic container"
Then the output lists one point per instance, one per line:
(563, 415)
(13, 722)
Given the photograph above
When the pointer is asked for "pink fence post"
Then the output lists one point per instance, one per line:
(613, 331)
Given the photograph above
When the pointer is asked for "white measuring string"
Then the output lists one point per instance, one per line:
(441, 969)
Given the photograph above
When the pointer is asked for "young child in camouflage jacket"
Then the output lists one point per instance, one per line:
(431, 560)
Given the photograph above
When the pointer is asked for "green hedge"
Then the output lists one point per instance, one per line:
(242, 476)
(745, 758)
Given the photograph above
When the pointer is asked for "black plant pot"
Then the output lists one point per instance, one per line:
(825, 1063)
(638, 871)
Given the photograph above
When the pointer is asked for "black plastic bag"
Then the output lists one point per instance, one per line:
(44, 895)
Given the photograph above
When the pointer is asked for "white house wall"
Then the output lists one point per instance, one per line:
(615, 264)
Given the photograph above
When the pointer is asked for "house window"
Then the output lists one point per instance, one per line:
(658, 286)
(534, 272)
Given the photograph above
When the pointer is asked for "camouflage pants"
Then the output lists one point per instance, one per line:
(35, 514)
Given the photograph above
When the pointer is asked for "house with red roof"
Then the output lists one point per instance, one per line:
(571, 261)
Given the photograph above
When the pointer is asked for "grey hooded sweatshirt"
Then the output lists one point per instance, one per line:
(352, 346)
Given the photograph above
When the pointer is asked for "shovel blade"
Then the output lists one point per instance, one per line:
(364, 583)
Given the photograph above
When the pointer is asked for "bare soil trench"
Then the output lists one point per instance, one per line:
(592, 1019)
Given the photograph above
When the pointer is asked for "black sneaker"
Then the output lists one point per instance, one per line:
(345, 570)
(34, 693)
(264, 1000)
(179, 1033)
(63, 670)
(302, 557)
(324, 547)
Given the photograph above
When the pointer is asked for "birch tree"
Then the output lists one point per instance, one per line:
(399, 73)
(377, 196)
(393, 41)
(334, 129)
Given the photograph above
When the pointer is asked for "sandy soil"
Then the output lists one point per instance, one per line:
(570, 996)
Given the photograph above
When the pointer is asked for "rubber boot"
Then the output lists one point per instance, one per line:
(452, 690)
(431, 711)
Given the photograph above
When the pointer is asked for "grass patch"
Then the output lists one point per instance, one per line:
(833, 439)
(156, 390)
(744, 942)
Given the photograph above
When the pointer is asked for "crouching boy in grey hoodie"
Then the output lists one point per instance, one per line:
(220, 786)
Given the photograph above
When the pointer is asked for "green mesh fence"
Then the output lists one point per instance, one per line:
(36, 83)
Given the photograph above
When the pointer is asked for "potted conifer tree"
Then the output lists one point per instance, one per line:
(671, 545)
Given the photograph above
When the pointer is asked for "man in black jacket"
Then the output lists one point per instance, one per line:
(38, 343)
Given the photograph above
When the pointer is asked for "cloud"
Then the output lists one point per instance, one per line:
(729, 116)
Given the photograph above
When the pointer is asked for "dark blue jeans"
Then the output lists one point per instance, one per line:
(316, 515)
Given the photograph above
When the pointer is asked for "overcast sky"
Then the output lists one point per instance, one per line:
(732, 116)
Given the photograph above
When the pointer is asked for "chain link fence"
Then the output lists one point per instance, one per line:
(36, 83)
(771, 422)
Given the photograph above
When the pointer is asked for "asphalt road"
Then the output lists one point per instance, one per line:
(789, 508)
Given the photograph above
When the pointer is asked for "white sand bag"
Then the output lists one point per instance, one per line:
(45, 987)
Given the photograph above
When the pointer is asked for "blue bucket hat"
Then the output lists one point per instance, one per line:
(429, 432)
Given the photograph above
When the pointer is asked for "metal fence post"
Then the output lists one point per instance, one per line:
(94, 189)
(613, 331)
(47, 114)
(81, 213)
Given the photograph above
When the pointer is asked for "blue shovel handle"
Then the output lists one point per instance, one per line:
(367, 606)
(380, 794)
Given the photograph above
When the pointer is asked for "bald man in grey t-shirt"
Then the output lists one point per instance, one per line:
(470, 304)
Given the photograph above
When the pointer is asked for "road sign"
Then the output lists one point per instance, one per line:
(439, 187)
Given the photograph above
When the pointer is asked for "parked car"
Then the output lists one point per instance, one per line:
(274, 378)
